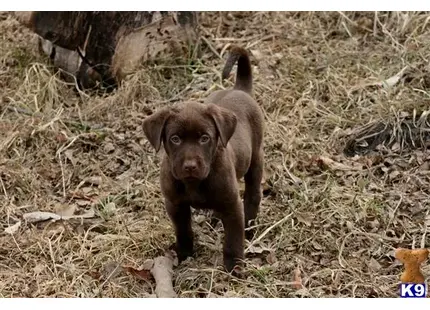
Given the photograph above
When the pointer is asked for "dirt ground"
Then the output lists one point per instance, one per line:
(328, 223)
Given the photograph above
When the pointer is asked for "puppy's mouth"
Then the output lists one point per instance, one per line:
(195, 176)
(192, 177)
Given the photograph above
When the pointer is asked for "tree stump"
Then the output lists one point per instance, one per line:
(101, 48)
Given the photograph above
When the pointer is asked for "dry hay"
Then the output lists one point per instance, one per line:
(408, 133)
(328, 223)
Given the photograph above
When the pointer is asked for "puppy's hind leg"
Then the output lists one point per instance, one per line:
(253, 194)
(181, 218)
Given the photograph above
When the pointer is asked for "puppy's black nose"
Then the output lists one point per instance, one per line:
(190, 165)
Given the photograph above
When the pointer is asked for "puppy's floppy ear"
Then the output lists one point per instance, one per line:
(153, 127)
(225, 122)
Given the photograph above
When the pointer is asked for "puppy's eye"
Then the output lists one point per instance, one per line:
(175, 139)
(204, 139)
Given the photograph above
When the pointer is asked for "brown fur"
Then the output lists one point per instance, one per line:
(208, 148)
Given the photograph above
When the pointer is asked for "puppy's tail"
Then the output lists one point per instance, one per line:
(244, 70)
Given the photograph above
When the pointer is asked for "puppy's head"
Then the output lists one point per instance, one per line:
(190, 133)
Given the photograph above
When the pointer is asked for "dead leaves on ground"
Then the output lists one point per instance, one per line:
(159, 269)
(62, 213)
(326, 163)
(39, 216)
(112, 270)
(13, 229)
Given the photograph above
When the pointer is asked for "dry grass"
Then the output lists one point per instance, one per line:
(334, 218)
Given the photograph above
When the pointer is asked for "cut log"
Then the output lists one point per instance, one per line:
(101, 48)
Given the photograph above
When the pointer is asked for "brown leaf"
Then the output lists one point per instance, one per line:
(111, 270)
(94, 274)
(140, 274)
(328, 163)
(297, 278)
(271, 258)
(374, 265)
(61, 138)
(316, 245)
(304, 218)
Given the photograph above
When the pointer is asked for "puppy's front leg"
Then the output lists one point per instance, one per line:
(234, 236)
(180, 214)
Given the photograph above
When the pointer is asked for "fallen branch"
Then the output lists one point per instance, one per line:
(162, 271)
(40, 216)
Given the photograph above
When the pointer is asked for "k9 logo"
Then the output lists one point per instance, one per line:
(412, 290)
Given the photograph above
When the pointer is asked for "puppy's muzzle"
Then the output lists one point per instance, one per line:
(193, 168)
(190, 166)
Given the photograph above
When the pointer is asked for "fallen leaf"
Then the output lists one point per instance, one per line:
(110, 208)
(271, 258)
(199, 219)
(297, 278)
(328, 163)
(39, 268)
(95, 180)
(396, 147)
(94, 274)
(257, 262)
(257, 55)
(109, 147)
(111, 270)
(427, 220)
(393, 175)
(82, 202)
(90, 213)
(67, 210)
(316, 245)
(86, 190)
(374, 265)
(13, 229)
(304, 218)
(257, 249)
(69, 156)
(142, 274)
(61, 137)
(392, 81)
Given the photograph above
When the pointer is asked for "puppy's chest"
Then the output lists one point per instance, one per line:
(198, 197)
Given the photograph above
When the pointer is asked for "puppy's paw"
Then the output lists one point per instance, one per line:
(182, 252)
(233, 266)
(238, 272)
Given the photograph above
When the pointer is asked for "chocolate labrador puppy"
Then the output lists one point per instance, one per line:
(208, 148)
